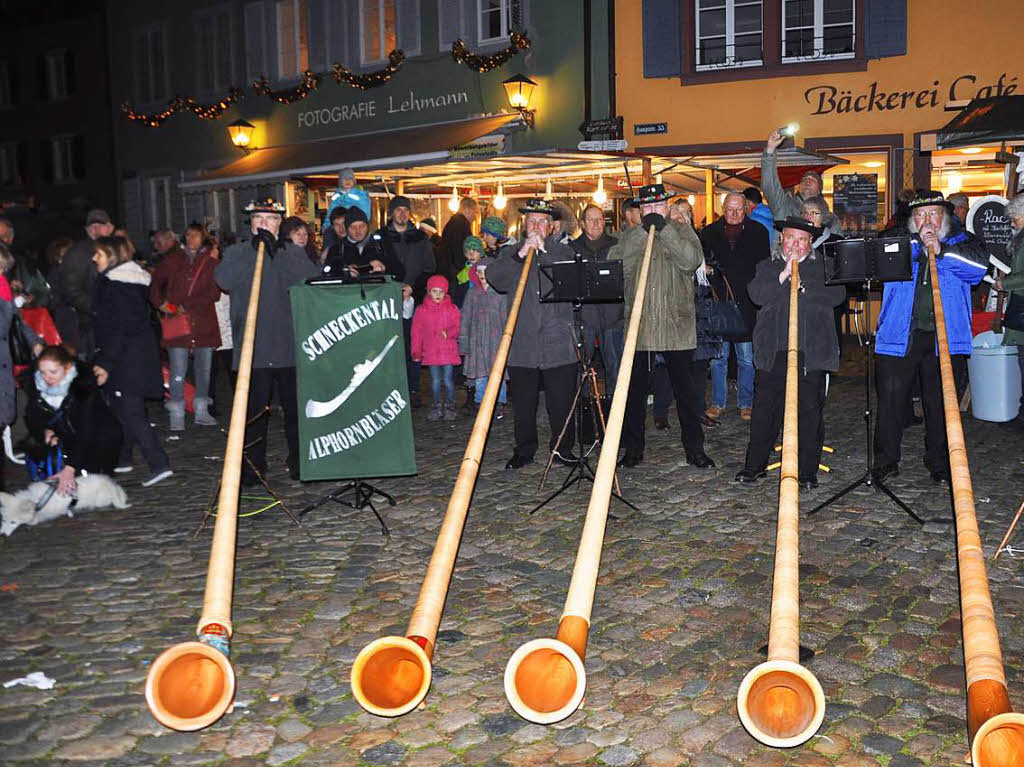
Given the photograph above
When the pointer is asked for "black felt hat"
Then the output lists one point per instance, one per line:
(264, 205)
(652, 193)
(795, 222)
(354, 214)
(930, 197)
(537, 205)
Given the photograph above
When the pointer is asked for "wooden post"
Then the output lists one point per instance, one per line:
(647, 171)
(709, 196)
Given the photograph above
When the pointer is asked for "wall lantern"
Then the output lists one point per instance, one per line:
(519, 90)
(241, 135)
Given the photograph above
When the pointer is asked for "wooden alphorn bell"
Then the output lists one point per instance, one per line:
(192, 684)
(545, 678)
(996, 733)
(391, 675)
(780, 702)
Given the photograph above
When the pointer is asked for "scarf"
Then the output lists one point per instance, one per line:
(54, 395)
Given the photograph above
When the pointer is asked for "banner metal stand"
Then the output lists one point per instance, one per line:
(362, 497)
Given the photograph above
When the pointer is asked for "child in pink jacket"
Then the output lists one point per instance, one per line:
(435, 343)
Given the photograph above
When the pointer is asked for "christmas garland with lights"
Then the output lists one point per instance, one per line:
(370, 79)
(309, 83)
(477, 63)
(182, 104)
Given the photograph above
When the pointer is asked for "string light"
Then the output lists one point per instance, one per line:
(309, 83)
(600, 196)
(657, 179)
(370, 79)
(547, 190)
(182, 104)
(453, 201)
(462, 54)
(500, 200)
(692, 199)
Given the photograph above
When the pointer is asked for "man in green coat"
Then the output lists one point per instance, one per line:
(668, 324)
(1014, 283)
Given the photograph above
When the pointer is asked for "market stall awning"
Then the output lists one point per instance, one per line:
(380, 149)
(985, 121)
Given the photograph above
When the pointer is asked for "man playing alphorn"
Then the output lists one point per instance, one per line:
(819, 350)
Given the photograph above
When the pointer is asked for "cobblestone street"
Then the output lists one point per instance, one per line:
(680, 613)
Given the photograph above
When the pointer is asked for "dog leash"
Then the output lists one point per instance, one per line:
(51, 489)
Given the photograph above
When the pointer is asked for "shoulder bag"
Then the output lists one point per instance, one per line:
(725, 319)
(176, 327)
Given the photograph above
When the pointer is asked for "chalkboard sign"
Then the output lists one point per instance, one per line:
(988, 220)
(855, 202)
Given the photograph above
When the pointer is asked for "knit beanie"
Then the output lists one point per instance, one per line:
(494, 226)
(399, 201)
(429, 225)
(437, 281)
(473, 243)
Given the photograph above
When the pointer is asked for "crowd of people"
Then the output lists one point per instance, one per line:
(112, 311)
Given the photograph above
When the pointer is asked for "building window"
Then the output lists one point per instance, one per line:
(377, 30)
(66, 158)
(728, 33)
(10, 169)
(817, 29)
(160, 202)
(213, 54)
(292, 38)
(6, 88)
(150, 56)
(57, 75)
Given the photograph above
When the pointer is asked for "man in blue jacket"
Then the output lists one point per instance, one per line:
(905, 342)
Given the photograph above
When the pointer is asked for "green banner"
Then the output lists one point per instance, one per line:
(354, 415)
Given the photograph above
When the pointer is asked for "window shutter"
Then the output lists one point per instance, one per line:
(78, 157)
(885, 28)
(46, 160)
(21, 164)
(408, 14)
(224, 75)
(255, 35)
(141, 68)
(194, 208)
(662, 39)
(270, 62)
(131, 209)
(353, 30)
(42, 80)
(450, 22)
(317, 35)
(69, 72)
(204, 55)
(470, 33)
(159, 59)
(337, 33)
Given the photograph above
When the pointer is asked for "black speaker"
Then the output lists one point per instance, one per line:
(884, 259)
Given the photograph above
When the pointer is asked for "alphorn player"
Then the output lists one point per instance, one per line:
(905, 342)
(668, 325)
(819, 350)
(543, 353)
(273, 362)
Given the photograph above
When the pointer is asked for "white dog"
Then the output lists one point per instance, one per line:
(38, 502)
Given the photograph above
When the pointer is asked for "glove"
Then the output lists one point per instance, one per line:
(655, 220)
(268, 240)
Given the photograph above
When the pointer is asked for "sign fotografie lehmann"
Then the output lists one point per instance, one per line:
(369, 109)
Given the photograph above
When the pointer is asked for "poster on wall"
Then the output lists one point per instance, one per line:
(855, 202)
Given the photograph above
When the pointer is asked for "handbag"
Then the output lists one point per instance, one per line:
(175, 327)
(725, 318)
(21, 349)
(1014, 317)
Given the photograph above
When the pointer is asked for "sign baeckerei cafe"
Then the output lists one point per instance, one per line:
(827, 99)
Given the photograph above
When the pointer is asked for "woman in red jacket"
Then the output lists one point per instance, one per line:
(184, 291)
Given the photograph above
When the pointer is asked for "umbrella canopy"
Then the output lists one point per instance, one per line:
(985, 121)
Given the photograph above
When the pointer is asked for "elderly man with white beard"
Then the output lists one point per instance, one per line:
(905, 342)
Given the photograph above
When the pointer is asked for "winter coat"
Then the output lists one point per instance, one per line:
(428, 344)
(817, 328)
(963, 263)
(275, 341)
(1014, 282)
(668, 322)
(344, 254)
(7, 395)
(784, 202)
(597, 318)
(89, 432)
(482, 323)
(450, 257)
(171, 280)
(73, 281)
(416, 254)
(737, 265)
(762, 214)
(542, 337)
(126, 341)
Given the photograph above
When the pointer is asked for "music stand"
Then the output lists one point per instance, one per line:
(863, 262)
(362, 491)
(580, 281)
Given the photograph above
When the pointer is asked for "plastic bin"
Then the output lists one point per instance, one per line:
(995, 378)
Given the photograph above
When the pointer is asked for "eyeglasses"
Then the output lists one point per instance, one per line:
(934, 215)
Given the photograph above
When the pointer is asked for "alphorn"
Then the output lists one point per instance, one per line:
(391, 675)
(996, 733)
(545, 678)
(780, 702)
(192, 684)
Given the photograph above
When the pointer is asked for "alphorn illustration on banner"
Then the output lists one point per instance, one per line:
(545, 678)
(996, 733)
(780, 702)
(391, 675)
(192, 684)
